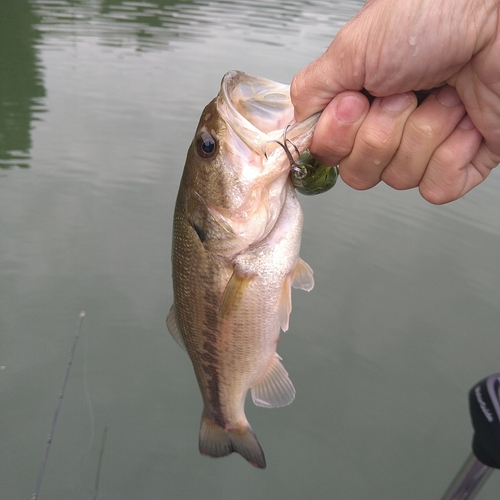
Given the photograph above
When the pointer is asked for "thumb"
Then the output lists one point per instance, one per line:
(333, 72)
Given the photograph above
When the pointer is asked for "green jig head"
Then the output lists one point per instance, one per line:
(311, 177)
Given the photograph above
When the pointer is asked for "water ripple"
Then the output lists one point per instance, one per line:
(154, 25)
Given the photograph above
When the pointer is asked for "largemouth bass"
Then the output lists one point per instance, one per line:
(235, 257)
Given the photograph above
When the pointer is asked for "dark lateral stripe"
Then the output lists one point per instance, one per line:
(210, 360)
(209, 337)
(211, 348)
(211, 316)
(214, 396)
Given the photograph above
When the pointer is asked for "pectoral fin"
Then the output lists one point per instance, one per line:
(233, 293)
(302, 276)
(285, 304)
(173, 327)
(275, 389)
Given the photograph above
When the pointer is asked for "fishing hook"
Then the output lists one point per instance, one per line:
(299, 171)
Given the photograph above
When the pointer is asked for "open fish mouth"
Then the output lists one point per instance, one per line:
(260, 110)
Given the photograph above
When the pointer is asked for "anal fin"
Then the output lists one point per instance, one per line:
(275, 389)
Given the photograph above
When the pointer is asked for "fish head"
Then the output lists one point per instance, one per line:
(234, 180)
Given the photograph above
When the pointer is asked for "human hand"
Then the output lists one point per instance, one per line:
(445, 146)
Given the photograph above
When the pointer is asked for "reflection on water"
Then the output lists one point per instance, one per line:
(142, 26)
(155, 25)
(21, 86)
(101, 99)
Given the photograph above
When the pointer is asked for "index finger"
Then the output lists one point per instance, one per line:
(336, 70)
(310, 90)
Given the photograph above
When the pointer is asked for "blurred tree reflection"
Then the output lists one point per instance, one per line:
(21, 85)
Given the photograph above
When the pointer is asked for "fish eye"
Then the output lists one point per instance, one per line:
(206, 145)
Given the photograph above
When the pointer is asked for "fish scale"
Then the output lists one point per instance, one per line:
(235, 257)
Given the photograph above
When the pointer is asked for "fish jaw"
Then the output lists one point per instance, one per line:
(237, 195)
(260, 112)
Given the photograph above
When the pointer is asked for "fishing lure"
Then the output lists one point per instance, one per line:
(311, 177)
(307, 174)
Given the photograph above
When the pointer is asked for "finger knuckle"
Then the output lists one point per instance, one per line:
(329, 153)
(377, 140)
(444, 156)
(424, 130)
(297, 87)
(356, 179)
(436, 193)
(398, 177)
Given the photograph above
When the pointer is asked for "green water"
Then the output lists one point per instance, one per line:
(98, 103)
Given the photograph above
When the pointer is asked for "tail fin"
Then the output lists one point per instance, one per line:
(218, 442)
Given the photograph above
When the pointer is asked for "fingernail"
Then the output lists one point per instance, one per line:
(466, 123)
(350, 108)
(449, 97)
(395, 103)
